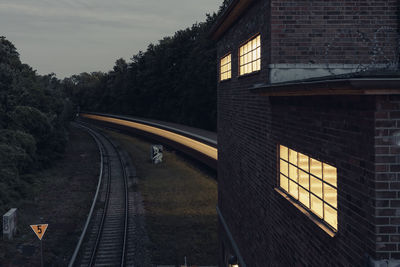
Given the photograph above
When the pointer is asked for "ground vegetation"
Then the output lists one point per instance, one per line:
(34, 112)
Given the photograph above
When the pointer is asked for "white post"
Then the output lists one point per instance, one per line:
(156, 154)
(10, 224)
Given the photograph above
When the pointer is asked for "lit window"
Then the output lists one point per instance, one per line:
(225, 68)
(250, 56)
(310, 182)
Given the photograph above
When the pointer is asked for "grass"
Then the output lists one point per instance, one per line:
(180, 201)
(61, 197)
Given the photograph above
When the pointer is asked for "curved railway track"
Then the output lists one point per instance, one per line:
(104, 239)
(111, 235)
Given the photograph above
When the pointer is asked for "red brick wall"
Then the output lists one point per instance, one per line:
(334, 31)
(242, 122)
(339, 130)
(387, 167)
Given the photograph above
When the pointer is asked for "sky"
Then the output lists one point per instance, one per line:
(72, 36)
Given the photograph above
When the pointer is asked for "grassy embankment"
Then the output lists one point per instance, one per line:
(180, 202)
(61, 197)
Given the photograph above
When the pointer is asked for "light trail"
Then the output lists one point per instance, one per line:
(207, 150)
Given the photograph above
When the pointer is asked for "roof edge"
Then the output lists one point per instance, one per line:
(346, 86)
(228, 17)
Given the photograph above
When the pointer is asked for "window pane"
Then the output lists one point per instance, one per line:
(330, 216)
(330, 195)
(293, 189)
(258, 62)
(293, 172)
(330, 174)
(284, 152)
(304, 197)
(249, 53)
(304, 179)
(284, 168)
(311, 182)
(316, 206)
(316, 186)
(284, 183)
(293, 157)
(258, 40)
(316, 167)
(258, 52)
(303, 162)
(225, 67)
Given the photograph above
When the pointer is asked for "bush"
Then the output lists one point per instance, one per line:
(32, 121)
(20, 139)
(13, 158)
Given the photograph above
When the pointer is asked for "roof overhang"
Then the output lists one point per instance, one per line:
(231, 14)
(352, 86)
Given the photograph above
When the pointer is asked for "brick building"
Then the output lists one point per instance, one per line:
(309, 133)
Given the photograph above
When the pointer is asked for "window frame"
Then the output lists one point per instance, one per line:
(220, 67)
(320, 221)
(238, 55)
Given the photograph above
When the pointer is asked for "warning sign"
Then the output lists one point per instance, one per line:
(39, 229)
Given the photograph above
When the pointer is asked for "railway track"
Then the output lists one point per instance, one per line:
(104, 239)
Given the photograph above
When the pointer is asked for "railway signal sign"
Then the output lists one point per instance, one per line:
(39, 229)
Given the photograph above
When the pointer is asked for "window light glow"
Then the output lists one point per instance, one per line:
(225, 68)
(250, 56)
(311, 182)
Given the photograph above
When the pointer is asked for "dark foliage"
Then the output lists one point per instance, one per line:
(33, 115)
(174, 80)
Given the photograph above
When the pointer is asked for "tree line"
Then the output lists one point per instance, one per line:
(34, 113)
(174, 80)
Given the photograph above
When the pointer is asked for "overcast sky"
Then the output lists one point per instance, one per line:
(73, 36)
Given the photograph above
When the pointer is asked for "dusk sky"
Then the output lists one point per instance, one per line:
(73, 36)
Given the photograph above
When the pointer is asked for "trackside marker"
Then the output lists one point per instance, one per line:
(39, 229)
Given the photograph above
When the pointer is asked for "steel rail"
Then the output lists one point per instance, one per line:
(107, 200)
(123, 256)
(108, 190)
(78, 246)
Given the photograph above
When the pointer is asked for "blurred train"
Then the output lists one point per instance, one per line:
(197, 143)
